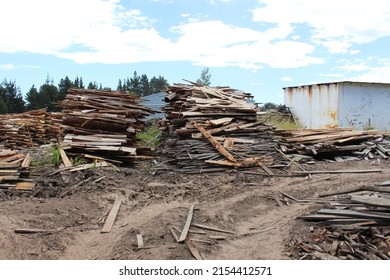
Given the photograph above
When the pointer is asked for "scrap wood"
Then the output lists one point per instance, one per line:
(339, 171)
(111, 216)
(369, 200)
(212, 228)
(64, 157)
(187, 225)
(215, 143)
(194, 251)
(33, 231)
(140, 241)
(174, 233)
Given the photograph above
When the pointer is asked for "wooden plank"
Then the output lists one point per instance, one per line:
(369, 200)
(111, 216)
(140, 241)
(174, 234)
(212, 228)
(228, 143)
(187, 225)
(339, 171)
(65, 158)
(194, 251)
(25, 186)
(215, 143)
(355, 214)
(33, 231)
(220, 121)
(89, 165)
(26, 162)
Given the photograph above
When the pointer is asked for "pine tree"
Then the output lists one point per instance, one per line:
(144, 85)
(11, 99)
(204, 77)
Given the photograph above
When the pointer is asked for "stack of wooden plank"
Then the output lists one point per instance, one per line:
(14, 170)
(357, 225)
(215, 128)
(28, 129)
(338, 142)
(103, 123)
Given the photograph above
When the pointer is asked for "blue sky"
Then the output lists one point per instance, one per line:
(259, 46)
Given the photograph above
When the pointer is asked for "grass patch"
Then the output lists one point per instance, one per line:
(150, 136)
(283, 123)
(50, 157)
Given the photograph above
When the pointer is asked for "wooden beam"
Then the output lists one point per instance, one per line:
(215, 143)
(111, 216)
(212, 228)
(65, 158)
(339, 171)
(187, 225)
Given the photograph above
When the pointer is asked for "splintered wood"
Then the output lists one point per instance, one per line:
(102, 123)
(353, 227)
(14, 170)
(216, 129)
(28, 129)
(340, 143)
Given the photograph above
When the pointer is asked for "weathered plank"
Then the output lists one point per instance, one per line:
(369, 200)
(111, 216)
(187, 225)
(215, 143)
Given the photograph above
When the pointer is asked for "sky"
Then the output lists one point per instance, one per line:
(258, 46)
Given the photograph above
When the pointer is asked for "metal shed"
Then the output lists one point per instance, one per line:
(340, 104)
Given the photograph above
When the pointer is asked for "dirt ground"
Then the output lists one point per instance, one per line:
(233, 201)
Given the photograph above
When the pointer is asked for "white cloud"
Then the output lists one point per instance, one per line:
(286, 79)
(335, 24)
(371, 69)
(10, 66)
(111, 33)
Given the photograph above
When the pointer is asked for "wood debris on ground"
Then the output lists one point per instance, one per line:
(352, 226)
(29, 129)
(14, 170)
(215, 129)
(339, 144)
(195, 239)
(103, 123)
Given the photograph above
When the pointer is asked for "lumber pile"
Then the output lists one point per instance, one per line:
(14, 170)
(214, 129)
(339, 143)
(102, 123)
(353, 226)
(29, 129)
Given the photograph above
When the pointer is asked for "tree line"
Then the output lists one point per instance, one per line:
(49, 94)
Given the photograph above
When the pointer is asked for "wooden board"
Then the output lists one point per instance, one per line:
(64, 157)
(111, 216)
(187, 225)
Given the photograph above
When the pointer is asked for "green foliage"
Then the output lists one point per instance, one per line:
(141, 86)
(50, 157)
(150, 136)
(283, 123)
(56, 157)
(204, 77)
(46, 97)
(78, 160)
(269, 106)
(11, 99)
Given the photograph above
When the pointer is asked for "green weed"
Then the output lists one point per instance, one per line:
(150, 136)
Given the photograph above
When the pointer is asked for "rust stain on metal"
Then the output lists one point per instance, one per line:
(333, 115)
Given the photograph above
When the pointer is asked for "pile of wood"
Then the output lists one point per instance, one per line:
(339, 143)
(14, 170)
(214, 129)
(356, 226)
(102, 123)
(29, 129)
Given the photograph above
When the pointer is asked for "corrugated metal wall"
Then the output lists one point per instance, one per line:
(316, 106)
(363, 105)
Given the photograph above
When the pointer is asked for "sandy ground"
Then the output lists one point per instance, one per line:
(235, 202)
